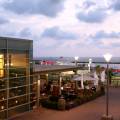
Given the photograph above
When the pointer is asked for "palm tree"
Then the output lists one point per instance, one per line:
(110, 75)
(98, 70)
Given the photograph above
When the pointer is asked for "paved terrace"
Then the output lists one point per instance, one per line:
(89, 111)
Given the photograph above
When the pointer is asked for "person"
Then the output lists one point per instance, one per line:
(45, 88)
(48, 87)
(93, 88)
(96, 79)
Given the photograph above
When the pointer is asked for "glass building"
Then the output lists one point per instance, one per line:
(17, 85)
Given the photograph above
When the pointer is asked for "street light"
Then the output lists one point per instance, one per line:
(90, 62)
(107, 58)
(60, 81)
(76, 59)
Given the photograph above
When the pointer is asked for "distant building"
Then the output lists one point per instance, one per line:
(16, 85)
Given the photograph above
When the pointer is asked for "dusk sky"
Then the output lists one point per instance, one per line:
(64, 27)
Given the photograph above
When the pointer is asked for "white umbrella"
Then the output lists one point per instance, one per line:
(85, 77)
(102, 76)
(96, 79)
(82, 80)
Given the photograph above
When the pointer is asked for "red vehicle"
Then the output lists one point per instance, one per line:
(47, 62)
(116, 70)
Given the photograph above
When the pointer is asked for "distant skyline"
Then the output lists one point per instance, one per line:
(64, 27)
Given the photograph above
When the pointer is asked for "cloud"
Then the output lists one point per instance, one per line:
(115, 45)
(88, 4)
(26, 32)
(105, 40)
(115, 5)
(45, 7)
(8, 33)
(56, 33)
(92, 16)
(3, 20)
(102, 35)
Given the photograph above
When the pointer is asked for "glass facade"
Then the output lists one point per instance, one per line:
(17, 85)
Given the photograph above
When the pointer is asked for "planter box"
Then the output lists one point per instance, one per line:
(62, 104)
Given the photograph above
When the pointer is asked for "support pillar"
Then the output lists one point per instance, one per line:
(60, 85)
(38, 91)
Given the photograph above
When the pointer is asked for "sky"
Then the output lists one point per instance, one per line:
(64, 27)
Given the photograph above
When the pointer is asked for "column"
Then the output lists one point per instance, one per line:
(60, 84)
(38, 90)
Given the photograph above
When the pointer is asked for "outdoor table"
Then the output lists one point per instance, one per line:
(68, 89)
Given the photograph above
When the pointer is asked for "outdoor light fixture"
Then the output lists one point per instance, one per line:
(11, 64)
(107, 58)
(76, 59)
(38, 90)
(2, 107)
(61, 88)
(3, 98)
(90, 62)
(16, 101)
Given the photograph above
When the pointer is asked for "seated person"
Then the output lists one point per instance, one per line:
(93, 88)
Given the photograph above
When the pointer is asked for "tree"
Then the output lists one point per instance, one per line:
(110, 74)
(98, 70)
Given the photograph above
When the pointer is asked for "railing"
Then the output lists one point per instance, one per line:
(115, 82)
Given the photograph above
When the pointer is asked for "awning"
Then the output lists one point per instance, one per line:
(85, 77)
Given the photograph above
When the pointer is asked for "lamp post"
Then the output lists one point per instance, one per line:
(38, 90)
(60, 81)
(90, 62)
(76, 60)
(107, 58)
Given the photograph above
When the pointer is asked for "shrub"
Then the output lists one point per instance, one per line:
(61, 104)
(49, 104)
(71, 104)
(78, 101)
(102, 89)
(88, 95)
(54, 98)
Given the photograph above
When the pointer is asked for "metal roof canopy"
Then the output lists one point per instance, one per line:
(53, 68)
(98, 62)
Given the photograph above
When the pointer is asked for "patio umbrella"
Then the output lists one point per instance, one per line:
(83, 78)
(102, 76)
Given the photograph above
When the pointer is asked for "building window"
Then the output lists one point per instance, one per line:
(1, 65)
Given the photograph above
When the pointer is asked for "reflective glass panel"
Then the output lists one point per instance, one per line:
(18, 81)
(3, 105)
(1, 65)
(3, 83)
(17, 101)
(18, 91)
(3, 95)
(3, 115)
(18, 110)
(33, 97)
(33, 88)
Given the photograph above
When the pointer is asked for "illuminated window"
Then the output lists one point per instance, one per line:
(1, 65)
